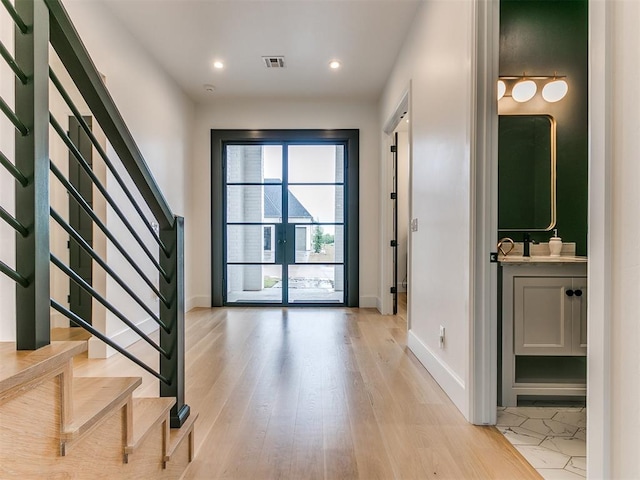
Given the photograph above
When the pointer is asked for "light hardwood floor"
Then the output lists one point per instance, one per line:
(329, 393)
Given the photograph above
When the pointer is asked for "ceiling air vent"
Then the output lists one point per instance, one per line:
(273, 62)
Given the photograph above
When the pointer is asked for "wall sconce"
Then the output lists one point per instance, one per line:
(524, 88)
(555, 90)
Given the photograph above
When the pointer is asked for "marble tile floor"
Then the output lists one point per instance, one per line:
(552, 439)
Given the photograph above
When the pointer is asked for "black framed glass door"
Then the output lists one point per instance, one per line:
(284, 223)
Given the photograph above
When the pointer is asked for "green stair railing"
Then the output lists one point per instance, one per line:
(38, 24)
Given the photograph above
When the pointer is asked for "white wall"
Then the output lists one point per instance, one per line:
(158, 113)
(282, 114)
(160, 117)
(436, 59)
(613, 380)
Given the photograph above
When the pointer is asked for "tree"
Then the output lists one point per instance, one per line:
(318, 239)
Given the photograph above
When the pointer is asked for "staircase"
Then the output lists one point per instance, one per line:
(52, 424)
(55, 425)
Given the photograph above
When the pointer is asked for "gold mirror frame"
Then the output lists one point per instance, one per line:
(553, 212)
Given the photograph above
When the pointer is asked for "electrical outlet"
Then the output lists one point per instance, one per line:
(414, 225)
(441, 337)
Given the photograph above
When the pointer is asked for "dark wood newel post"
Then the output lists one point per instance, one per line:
(32, 159)
(172, 315)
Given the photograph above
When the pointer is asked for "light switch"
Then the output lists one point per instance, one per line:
(414, 224)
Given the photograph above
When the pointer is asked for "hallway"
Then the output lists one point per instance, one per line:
(318, 393)
(326, 393)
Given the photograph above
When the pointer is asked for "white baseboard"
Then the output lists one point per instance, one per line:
(197, 301)
(59, 321)
(448, 380)
(124, 338)
(369, 302)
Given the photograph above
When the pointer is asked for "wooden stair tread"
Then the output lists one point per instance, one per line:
(94, 398)
(22, 366)
(69, 334)
(177, 435)
(148, 412)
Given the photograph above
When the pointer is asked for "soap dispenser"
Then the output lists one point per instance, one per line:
(555, 244)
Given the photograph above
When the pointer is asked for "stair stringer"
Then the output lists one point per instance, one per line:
(31, 426)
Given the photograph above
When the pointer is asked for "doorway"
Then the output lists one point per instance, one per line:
(397, 211)
(283, 209)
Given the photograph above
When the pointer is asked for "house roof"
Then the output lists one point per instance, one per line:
(273, 202)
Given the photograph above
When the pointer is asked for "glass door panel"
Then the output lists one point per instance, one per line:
(243, 243)
(316, 243)
(316, 203)
(254, 283)
(316, 210)
(316, 163)
(316, 283)
(253, 163)
(284, 229)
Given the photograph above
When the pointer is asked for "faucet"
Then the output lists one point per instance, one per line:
(526, 251)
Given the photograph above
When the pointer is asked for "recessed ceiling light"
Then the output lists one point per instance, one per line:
(209, 88)
(218, 64)
(334, 64)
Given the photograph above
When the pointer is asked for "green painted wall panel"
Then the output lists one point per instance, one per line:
(542, 37)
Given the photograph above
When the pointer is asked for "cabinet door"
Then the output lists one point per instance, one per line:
(579, 306)
(542, 317)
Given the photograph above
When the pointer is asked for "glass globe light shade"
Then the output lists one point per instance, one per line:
(502, 88)
(555, 91)
(524, 91)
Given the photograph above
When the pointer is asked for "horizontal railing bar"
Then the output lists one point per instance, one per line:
(105, 158)
(75, 58)
(85, 166)
(15, 224)
(12, 63)
(13, 118)
(13, 170)
(16, 18)
(13, 275)
(81, 282)
(80, 321)
(85, 206)
(90, 251)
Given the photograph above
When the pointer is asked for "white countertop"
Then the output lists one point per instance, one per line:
(540, 254)
(519, 259)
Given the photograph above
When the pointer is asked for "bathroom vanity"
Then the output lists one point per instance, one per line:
(544, 325)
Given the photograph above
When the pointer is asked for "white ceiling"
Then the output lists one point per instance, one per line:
(186, 36)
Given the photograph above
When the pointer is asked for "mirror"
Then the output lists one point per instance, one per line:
(526, 173)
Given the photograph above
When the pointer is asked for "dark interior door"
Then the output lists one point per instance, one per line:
(394, 240)
(80, 261)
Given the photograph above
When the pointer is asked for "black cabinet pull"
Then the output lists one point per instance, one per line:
(570, 293)
(578, 293)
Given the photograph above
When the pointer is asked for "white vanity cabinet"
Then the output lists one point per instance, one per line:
(549, 315)
(544, 328)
